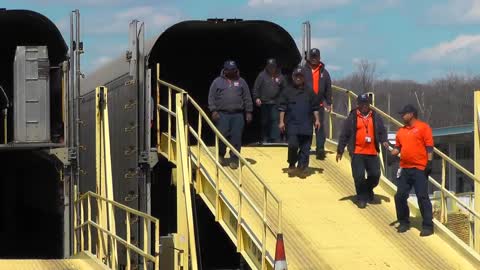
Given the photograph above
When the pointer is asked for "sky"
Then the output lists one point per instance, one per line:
(406, 39)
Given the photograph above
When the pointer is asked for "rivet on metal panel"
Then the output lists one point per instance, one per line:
(81, 122)
(82, 147)
(131, 196)
(131, 173)
(131, 128)
(133, 221)
(83, 172)
(127, 83)
(130, 105)
(129, 151)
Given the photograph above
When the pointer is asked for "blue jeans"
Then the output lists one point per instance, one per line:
(413, 178)
(231, 126)
(320, 133)
(269, 122)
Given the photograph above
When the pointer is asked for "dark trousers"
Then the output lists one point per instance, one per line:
(320, 133)
(231, 126)
(360, 165)
(269, 121)
(413, 178)
(299, 149)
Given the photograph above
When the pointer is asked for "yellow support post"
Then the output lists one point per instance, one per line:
(477, 166)
(186, 231)
(104, 170)
(157, 110)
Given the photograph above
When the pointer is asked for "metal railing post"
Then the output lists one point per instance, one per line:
(443, 199)
(156, 108)
(128, 236)
(89, 216)
(477, 166)
(169, 124)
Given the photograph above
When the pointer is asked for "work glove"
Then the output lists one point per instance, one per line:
(249, 117)
(428, 168)
(215, 116)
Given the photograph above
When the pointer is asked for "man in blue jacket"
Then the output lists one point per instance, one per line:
(229, 101)
(266, 90)
(299, 105)
(318, 79)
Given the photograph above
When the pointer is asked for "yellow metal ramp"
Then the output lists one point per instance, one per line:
(323, 229)
(81, 261)
(321, 225)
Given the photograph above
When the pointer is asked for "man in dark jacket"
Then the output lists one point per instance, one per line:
(266, 91)
(318, 79)
(228, 100)
(362, 133)
(300, 106)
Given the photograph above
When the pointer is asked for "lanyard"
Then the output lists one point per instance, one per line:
(365, 123)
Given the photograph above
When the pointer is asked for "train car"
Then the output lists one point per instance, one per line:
(190, 55)
(33, 72)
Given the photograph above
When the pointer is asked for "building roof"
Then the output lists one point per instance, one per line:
(453, 130)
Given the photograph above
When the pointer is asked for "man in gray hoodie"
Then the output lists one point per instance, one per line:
(229, 100)
(266, 91)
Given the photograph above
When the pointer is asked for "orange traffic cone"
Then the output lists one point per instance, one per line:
(280, 257)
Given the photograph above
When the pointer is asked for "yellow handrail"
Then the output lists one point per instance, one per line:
(444, 158)
(112, 254)
(260, 208)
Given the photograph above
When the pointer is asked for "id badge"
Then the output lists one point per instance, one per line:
(368, 139)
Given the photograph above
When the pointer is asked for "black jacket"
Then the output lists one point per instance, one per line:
(325, 83)
(268, 89)
(299, 106)
(349, 132)
(229, 95)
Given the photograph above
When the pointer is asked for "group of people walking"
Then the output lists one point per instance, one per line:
(297, 107)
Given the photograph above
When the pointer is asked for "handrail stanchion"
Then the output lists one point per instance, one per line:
(169, 124)
(217, 181)
(443, 199)
(476, 139)
(330, 122)
(199, 154)
(82, 220)
(264, 235)
(240, 201)
(89, 229)
(157, 110)
(127, 221)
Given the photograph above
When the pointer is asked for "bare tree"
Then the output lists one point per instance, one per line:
(366, 74)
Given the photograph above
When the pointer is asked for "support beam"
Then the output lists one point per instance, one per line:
(477, 165)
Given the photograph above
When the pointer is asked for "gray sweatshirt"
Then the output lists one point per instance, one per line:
(229, 95)
(268, 88)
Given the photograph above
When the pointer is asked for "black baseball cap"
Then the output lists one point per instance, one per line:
(230, 65)
(409, 108)
(297, 71)
(272, 62)
(314, 52)
(363, 98)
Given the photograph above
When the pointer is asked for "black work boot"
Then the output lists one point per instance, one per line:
(292, 170)
(223, 161)
(234, 164)
(321, 154)
(426, 231)
(302, 172)
(362, 204)
(403, 227)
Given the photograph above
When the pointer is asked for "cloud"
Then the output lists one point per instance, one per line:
(154, 18)
(380, 5)
(460, 49)
(455, 12)
(100, 61)
(293, 7)
(85, 3)
(334, 68)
